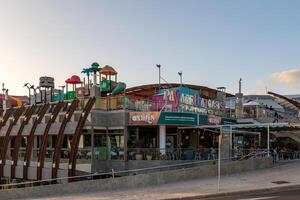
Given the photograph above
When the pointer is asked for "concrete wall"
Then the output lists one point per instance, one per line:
(119, 165)
(141, 180)
(109, 119)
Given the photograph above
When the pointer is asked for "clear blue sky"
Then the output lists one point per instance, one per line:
(214, 43)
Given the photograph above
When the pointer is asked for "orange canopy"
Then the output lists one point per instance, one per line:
(108, 70)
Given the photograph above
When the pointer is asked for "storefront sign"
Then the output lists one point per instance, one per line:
(176, 118)
(214, 120)
(143, 118)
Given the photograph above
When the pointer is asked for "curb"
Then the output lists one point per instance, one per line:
(226, 194)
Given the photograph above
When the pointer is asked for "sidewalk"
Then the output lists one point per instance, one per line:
(253, 180)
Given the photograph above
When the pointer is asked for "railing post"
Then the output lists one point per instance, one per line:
(219, 159)
(268, 140)
(113, 173)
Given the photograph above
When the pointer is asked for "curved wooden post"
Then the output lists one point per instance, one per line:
(76, 138)
(43, 147)
(5, 146)
(18, 140)
(60, 138)
(3, 121)
(6, 116)
(30, 142)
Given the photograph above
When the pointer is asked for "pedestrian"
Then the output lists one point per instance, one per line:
(274, 154)
(213, 153)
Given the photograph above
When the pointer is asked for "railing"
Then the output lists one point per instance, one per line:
(114, 174)
(285, 154)
(149, 105)
(172, 154)
(267, 115)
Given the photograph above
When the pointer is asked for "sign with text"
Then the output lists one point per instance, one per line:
(214, 120)
(143, 118)
(177, 118)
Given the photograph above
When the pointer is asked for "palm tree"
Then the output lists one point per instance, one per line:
(87, 72)
(95, 67)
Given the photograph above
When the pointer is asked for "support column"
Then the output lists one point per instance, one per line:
(268, 140)
(126, 132)
(230, 142)
(162, 139)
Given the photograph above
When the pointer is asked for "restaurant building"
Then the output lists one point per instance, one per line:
(151, 124)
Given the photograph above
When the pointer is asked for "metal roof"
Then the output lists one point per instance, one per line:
(286, 101)
(152, 89)
(253, 127)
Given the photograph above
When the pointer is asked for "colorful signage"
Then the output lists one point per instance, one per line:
(183, 99)
(143, 118)
(175, 118)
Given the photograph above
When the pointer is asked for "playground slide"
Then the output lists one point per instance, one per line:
(119, 88)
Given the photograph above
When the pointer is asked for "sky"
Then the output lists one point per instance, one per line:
(214, 43)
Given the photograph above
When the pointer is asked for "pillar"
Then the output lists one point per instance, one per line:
(162, 139)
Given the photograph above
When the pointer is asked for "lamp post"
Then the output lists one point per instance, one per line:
(41, 94)
(63, 90)
(3, 90)
(158, 66)
(34, 93)
(28, 86)
(180, 74)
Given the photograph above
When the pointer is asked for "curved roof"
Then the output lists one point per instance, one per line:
(286, 101)
(152, 89)
(108, 70)
(74, 80)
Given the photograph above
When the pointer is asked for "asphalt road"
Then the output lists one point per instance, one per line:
(280, 194)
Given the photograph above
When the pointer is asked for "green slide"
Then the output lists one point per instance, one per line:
(119, 88)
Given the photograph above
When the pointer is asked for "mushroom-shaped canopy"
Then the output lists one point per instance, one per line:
(74, 80)
(108, 70)
(95, 67)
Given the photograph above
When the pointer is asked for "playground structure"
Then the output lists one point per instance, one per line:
(40, 140)
(103, 85)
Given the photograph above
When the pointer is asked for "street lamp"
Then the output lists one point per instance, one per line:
(28, 86)
(158, 66)
(41, 94)
(3, 89)
(63, 94)
(34, 93)
(180, 74)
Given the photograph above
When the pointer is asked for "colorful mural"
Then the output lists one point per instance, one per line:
(183, 99)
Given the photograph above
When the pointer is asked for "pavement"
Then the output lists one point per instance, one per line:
(283, 175)
(279, 194)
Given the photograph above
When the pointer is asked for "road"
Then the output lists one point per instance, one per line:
(280, 194)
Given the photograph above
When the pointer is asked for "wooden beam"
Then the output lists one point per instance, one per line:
(60, 138)
(30, 143)
(43, 147)
(6, 141)
(18, 140)
(76, 138)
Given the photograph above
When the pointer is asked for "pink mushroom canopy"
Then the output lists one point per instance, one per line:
(74, 80)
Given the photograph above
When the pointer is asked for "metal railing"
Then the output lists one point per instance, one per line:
(150, 105)
(172, 154)
(114, 174)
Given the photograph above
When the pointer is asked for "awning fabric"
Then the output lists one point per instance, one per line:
(15, 101)
(251, 103)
